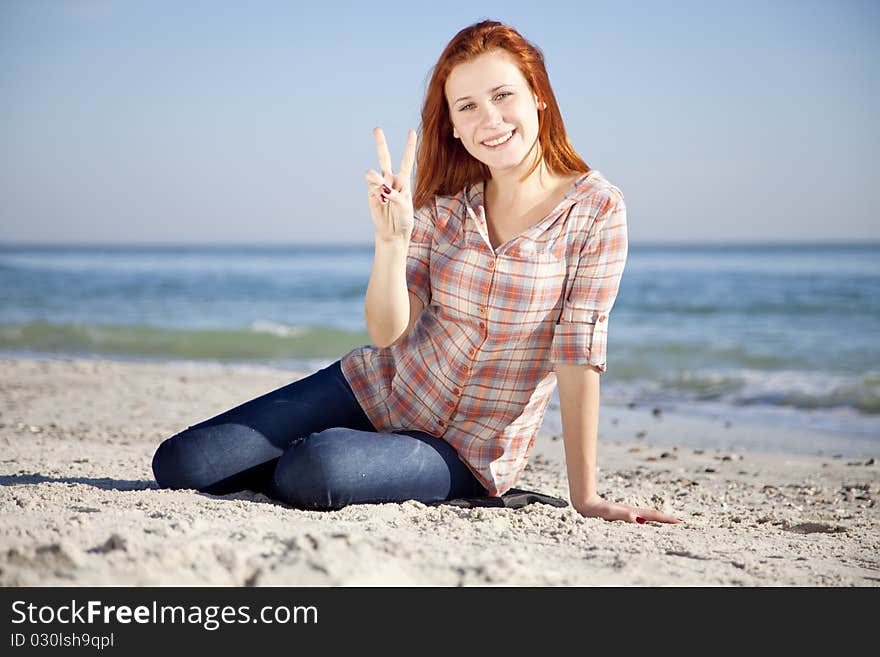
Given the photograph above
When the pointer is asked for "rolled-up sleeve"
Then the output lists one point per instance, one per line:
(418, 257)
(580, 336)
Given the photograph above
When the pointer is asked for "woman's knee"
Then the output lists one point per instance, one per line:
(205, 456)
(181, 462)
(315, 473)
(172, 464)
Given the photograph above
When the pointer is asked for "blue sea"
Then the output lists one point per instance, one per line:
(784, 333)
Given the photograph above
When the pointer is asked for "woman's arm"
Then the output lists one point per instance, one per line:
(579, 405)
(387, 307)
(388, 311)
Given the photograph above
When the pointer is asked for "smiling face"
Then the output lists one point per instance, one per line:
(493, 110)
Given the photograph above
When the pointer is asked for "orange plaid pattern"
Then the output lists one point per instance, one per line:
(477, 367)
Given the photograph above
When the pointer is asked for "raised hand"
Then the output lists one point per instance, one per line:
(388, 193)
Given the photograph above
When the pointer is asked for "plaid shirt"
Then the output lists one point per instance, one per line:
(477, 367)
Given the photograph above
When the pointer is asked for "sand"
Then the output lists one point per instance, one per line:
(80, 507)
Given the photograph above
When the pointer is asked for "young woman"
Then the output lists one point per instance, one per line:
(496, 289)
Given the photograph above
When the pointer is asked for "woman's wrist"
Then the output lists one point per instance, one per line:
(586, 501)
(394, 240)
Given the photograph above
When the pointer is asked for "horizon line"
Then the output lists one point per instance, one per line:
(643, 243)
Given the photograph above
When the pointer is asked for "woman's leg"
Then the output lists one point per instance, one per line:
(338, 466)
(239, 448)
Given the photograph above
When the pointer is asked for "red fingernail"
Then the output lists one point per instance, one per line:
(384, 200)
(385, 189)
(640, 520)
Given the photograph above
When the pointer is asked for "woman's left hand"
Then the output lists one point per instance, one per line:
(598, 507)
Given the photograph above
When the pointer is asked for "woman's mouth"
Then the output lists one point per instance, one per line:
(499, 142)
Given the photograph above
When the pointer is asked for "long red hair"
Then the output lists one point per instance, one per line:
(443, 166)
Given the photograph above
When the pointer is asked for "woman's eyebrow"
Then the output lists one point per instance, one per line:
(490, 91)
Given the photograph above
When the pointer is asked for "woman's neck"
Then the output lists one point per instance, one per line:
(505, 189)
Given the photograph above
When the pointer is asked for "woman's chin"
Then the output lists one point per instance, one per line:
(499, 162)
(507, 163)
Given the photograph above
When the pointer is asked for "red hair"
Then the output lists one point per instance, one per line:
(443, 166)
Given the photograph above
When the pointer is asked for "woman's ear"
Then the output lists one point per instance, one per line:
(455, 132)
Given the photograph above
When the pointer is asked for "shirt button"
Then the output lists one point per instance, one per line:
(482, 325)
(450, 403)
(467, 369)
(491, 264)
(441, 423)
(471, 351)
(601, 318)
(456, 392)
(482, 311)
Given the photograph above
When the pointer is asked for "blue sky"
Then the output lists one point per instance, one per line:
(250, 122)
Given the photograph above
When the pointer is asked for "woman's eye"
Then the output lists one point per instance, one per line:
(503, 93)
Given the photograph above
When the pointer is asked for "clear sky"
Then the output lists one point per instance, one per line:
(250, 122)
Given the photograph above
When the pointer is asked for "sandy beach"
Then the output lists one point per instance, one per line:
(80, 507)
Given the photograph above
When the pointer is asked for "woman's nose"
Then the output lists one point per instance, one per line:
(492, 115)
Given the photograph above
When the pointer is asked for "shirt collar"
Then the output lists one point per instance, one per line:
(474, 196)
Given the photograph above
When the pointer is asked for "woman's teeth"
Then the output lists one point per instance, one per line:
(500, 140)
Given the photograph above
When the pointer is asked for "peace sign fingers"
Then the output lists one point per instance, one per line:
(389, 193)
(401, 180)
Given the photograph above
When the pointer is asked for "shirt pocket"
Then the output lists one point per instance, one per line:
(530, 288)
(452, 274)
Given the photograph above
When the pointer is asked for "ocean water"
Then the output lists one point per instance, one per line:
(786, 334)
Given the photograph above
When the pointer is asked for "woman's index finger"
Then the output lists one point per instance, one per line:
(409, 155)
(382, 151)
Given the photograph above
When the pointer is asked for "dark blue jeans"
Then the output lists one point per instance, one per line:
(310, 444)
